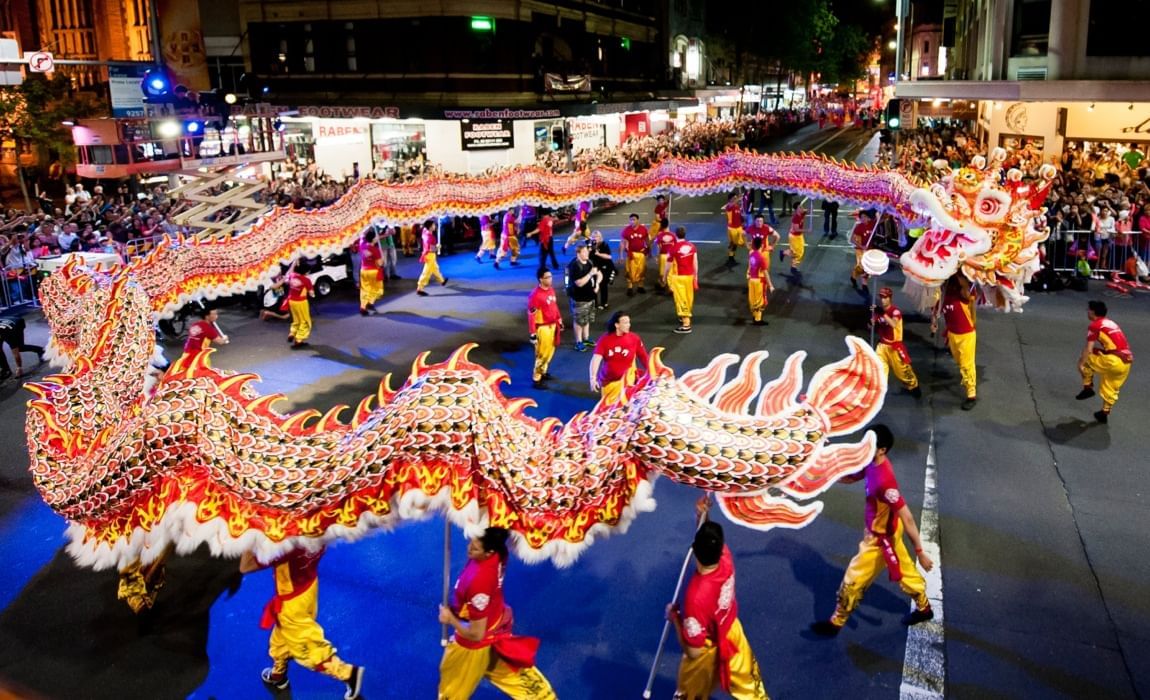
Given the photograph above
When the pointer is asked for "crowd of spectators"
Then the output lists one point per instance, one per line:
(700, 138)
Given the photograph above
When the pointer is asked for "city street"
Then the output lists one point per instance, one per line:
(1040, 514)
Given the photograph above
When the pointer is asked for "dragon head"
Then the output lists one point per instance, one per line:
(982, 225)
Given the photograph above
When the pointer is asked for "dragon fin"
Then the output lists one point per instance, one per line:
(762, 511)
(736, 395)
(706, 381)
(779, 395)
(850, 392)
(831, 464)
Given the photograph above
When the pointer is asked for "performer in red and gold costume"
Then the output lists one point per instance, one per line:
(891, 349)
(764, 232)
(487, 238)
(957, 307)
(1107, 354)
(290, 615)
(299, 288)
(633, 248)
(759, 285)
(370, 273)
(736, 237)
(683, 278)
(663, 244)
(201, 334)
(509, 238)
(482, 645)
(796, 239)
(661, 208)
(716, 653)
(860, 240)
(887, 517)
(544, 323)
(619, 356)
(429, 258)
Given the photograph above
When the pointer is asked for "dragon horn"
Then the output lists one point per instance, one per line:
(331, 418)
(419, 365)
(849, 393)
(385, 392)
(363, 410)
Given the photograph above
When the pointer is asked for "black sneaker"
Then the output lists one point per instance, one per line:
(916, 392)
(364, 312)
(274, 680)
(683, 329)
(825, 628)
(538, 384)
(969, 403)
(854, 283)
(642, 290)
(354, 683)
(497, 265)
(1102, 416)
(421, 293)
(1087, 392)
(547, 376)
(299, 344)
(630, 292)
(760, 322)
(445, 281)
(291, 339)
(917, 616)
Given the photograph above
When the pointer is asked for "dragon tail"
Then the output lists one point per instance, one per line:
(849, 393)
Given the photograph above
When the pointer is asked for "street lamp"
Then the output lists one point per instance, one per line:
(900, 16)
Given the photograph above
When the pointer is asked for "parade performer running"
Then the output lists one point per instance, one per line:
(957, 307)
(370, 273)
(759, 285)
(487, 245)
(716, 653)
(634, 245)
(735, 234)
(290, 615)
(429, 259)
(683, 278)
(299, 288)
(544, 323)
(509, 238)
(482, 645)
(1107, 354)
(887, 517)
(619, 356)
(891, 350)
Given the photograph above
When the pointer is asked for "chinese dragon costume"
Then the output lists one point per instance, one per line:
(198, 457)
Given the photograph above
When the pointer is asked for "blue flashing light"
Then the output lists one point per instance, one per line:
(156, 84)
(193, 127)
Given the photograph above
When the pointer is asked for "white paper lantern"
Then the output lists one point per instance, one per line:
(875, 262)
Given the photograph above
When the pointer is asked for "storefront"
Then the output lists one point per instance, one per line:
(342, 148)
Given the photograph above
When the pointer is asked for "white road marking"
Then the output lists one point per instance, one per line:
(924, 664)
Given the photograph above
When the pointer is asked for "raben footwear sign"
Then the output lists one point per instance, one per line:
(484, 134)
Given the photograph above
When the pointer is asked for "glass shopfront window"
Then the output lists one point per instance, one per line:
(398, 149)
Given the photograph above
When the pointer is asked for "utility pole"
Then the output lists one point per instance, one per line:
(154, 25)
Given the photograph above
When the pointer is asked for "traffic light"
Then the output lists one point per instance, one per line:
(893, 120)
(557, 139)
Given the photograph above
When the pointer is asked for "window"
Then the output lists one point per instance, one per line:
(1031, 32)
(1112, 26)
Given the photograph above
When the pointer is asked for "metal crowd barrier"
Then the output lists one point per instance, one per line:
(1105, 255)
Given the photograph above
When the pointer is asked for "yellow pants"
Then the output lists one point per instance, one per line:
(544, 349)
(298, 637)
(462, 669)
(370, 287)
(698, 678)
(655, 230)
(798, 246)
(890, 360)
(756, 297)
(867, 565)
(735, 239)
(663, 260)
(488, 246)
(683, 290)
(962, 349)
(1113, 372)
(512, 247)
(430, 269)
(857, 271)
(300, 320)
(612, 392)
(636, 268)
